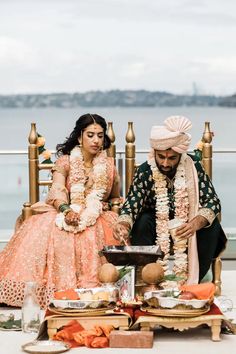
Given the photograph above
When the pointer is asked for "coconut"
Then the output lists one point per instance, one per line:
(152, 273)
(108, 273)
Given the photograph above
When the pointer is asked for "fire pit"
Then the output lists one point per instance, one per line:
(131, 255)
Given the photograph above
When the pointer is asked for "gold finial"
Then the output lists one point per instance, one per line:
(129, 156)
(207, 149)
(207, 135)
(110, 132)
(130, 136)
(33, 136)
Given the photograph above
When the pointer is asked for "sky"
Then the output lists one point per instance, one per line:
(178, 46)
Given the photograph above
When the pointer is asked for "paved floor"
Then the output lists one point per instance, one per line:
(193, 341)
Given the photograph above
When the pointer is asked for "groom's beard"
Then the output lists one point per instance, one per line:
(168, 171)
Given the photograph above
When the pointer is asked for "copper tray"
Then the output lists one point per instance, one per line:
(131, 255)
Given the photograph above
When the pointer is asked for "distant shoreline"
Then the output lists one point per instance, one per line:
(114, 98)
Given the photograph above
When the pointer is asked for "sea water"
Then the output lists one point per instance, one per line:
(56, 124)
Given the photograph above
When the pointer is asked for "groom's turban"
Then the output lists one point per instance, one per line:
(172, 135)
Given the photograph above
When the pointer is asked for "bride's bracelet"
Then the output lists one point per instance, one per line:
(64, 208)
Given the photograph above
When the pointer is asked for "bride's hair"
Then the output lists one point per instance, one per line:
(80, 125)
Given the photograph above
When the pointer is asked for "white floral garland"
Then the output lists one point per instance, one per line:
(90, 206)
(181, 204)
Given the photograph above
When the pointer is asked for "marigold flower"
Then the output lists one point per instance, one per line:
(199, 145)
(40, 141)
(46, 154)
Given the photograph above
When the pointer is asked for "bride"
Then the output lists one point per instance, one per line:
(59, 248)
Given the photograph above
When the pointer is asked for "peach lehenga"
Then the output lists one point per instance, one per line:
(56, 259)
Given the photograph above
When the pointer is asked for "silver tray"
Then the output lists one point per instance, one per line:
(131, 255)
(45, 347)
(79, 304)
(90, 298)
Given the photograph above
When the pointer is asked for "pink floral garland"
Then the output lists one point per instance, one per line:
(181, 204)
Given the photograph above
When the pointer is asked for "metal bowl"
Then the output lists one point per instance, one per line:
(131, 255)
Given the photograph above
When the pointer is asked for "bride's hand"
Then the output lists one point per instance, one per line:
(72, 218)
(121, 232)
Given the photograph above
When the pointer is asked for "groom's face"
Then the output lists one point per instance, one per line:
(167, 161)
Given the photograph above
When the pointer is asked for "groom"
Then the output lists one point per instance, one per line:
(171, 184)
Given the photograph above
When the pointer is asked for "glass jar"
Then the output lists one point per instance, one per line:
(30, 309)
(224, 303)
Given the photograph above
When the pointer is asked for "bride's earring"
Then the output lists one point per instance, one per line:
(80, 140)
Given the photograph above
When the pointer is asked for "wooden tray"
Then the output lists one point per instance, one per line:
(88, 322)
(176, 312)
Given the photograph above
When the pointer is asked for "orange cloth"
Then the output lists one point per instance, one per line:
(69, 294)
(75, 335)
(201, 291)
(66, 333)
(99, 342)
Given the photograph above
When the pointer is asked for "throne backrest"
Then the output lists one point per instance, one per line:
(35, 167)
(126, 166)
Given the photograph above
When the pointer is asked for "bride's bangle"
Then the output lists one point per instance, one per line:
(65, 212)
(64, 207)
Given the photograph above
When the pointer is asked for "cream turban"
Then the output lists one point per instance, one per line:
(171, 135)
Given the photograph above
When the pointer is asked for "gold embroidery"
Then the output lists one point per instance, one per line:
(126, 218)
(207, 214)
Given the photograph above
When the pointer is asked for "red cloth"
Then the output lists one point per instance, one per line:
(128, 310)
(214, 310)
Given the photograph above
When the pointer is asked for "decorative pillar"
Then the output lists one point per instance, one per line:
(207, 149)
(112, 149)
(129, 156)
(33, 165)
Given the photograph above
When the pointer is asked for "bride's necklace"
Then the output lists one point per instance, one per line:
(88, 165)
(87, 171)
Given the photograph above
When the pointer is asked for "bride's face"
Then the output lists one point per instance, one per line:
(92, 139)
